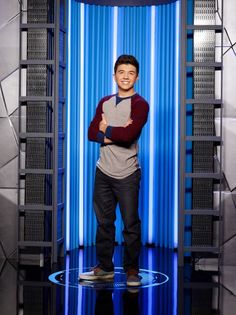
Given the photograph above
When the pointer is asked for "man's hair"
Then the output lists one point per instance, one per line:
(127, 59)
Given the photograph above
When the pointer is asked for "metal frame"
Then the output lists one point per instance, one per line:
(183, 139)
(181, 220)
(56, 244)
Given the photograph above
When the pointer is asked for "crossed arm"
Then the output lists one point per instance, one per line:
(103, 127)
(99, 131)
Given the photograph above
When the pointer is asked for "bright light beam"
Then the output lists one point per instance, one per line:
(151, 115)
(67, 285)
(176, 167)
(68, 130)
(115, 34)
(80, 291)
(81, 129)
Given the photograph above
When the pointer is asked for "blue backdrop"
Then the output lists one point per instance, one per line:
(97, 35)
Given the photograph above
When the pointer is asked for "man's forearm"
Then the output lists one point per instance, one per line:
(108, 141)
(102, 127)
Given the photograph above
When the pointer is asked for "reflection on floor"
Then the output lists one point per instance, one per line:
(165, 289)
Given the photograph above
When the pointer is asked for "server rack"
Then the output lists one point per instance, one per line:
(201, 174)
(41, 131)
(201, 148)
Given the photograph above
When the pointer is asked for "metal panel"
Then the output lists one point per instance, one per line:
(41, 212)
(198, 183)
(203, 121)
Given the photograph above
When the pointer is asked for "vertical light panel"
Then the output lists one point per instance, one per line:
(67, 280)
(68, 116)
(80, 288)
(177, 87)
(150, 289)
(81, 129)
(93, 51)
(151, 119)
(175, 284)
(115, 28)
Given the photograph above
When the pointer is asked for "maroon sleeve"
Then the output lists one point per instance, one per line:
(139, 115)
(93, 131)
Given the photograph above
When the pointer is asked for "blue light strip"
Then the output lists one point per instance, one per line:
(175, 284)
(67, 285)
(68, 129)
(177, 86)
(150, 266)
(81, 129)
(159, 76)
(115, 34)
(151, 118)
(80, 289)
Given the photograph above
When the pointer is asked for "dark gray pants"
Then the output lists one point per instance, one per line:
(109, 191)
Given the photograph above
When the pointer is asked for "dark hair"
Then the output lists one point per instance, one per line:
(127, 59)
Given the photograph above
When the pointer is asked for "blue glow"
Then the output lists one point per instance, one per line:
(115, 30)
(80, 291)
(150, 289)
(67, 285)
(177, 86)
(95, 42)
(81, 130)
(175, 286)
(151, 118)
(150, 282)
(68, 129)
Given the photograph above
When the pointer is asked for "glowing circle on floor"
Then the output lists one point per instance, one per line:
(70, 277)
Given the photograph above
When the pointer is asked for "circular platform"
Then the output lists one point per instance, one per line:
(70, 278)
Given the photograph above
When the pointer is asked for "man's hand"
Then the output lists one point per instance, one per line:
(129, 122)
(103, 127)
(103, 124)
(107, 141)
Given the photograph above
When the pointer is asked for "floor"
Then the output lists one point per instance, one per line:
(166, 289)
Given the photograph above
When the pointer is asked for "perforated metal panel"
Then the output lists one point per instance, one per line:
(33, 300)
(43, 37)
(37, 11)
(202, 302)
(35, 189)
(202, 230)
(35, 153)
(36, 118)
(203, 122)
(37, 80)
(202, 191)
(34, 225)
(37, 44)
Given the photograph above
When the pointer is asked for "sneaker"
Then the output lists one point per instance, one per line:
(133, 279)
(97, 274)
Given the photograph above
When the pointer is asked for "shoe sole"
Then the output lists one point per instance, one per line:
(133, 284)
(91, 278)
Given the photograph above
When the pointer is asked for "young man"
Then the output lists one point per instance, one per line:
(117, 125)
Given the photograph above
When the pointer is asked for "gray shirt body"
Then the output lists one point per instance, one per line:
(118, 161)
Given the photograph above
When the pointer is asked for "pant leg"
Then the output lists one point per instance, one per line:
(105, 210)
(127, 194)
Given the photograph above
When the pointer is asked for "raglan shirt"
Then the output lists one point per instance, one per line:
(119, 159)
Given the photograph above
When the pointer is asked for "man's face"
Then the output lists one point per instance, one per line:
(125, 77)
